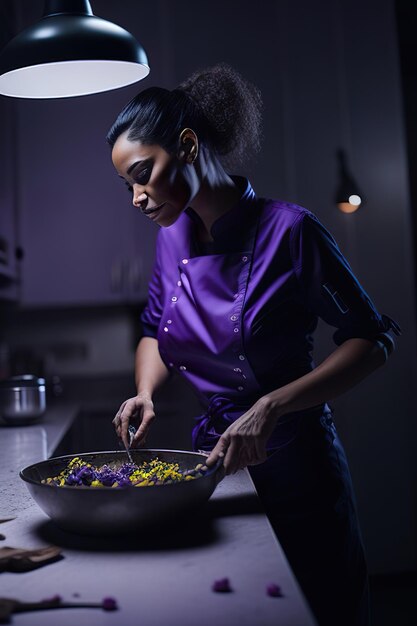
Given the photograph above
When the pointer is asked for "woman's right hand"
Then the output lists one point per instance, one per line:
(139, 411)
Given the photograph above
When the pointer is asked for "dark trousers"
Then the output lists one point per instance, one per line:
(307, 493)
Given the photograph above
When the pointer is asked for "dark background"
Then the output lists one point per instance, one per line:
(333, 74)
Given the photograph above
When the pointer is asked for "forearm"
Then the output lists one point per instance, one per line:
(150, 370)
(350, 363)
(244, 441)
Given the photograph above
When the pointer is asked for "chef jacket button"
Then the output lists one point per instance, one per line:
(179, 283)
(185, 261)
(174, 298)
(182, 368)
(233, 318)
(241, 357)
(235, 330)
(240, 388)
(166, 329)
(171, 364)
(244, 259)
(169, 321)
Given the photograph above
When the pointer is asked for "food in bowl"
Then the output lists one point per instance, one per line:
(80, 473)
(114, 511)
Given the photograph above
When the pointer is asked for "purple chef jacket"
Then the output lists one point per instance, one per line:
(236, 316)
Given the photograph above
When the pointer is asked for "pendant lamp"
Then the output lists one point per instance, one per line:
(348, 196)
(70, 52)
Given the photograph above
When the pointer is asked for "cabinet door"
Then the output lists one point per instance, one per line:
(84, 243)
(7, 216)
(7, 162)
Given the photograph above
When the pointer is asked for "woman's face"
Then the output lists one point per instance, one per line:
(162, 184)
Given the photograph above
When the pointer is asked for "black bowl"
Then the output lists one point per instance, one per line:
(111, 511)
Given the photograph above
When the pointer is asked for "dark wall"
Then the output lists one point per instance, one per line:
(406, 12)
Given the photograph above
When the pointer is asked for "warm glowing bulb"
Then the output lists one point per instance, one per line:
(347, 207)
(355, 200)
(351, 205)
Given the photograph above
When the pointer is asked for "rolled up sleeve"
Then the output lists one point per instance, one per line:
(328, 286)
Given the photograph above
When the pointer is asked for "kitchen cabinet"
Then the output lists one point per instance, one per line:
(84, 255)
(91, 430)
(8, 270)
(7, 196)
(83, 241)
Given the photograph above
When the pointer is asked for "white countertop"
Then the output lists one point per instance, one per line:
(154, 584)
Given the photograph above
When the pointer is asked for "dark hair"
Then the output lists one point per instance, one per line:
(217, 103)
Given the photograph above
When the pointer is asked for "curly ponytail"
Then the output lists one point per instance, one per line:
(232, 108)
(217, 103)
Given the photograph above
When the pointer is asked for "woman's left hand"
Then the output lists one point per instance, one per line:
(244, 442)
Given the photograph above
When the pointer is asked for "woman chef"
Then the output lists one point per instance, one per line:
(238, 285)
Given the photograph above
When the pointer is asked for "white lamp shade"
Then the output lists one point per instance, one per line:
(70, 54)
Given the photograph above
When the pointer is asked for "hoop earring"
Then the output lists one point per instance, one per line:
(186, 136)
(192, 155)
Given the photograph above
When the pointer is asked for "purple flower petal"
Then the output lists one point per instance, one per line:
(56, 599)
(109, 604)
(222, 585)
(274, 591)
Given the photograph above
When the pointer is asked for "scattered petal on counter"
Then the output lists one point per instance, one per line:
(56, 599)
(222, 585)
(109, 604)
(274, 591)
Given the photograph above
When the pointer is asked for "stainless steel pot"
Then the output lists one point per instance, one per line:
(112, 511)
(22, 399)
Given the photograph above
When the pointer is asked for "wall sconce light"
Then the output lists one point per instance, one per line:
(348, 196)
(70, 52)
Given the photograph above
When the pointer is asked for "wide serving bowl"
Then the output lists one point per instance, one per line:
(111, 511)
